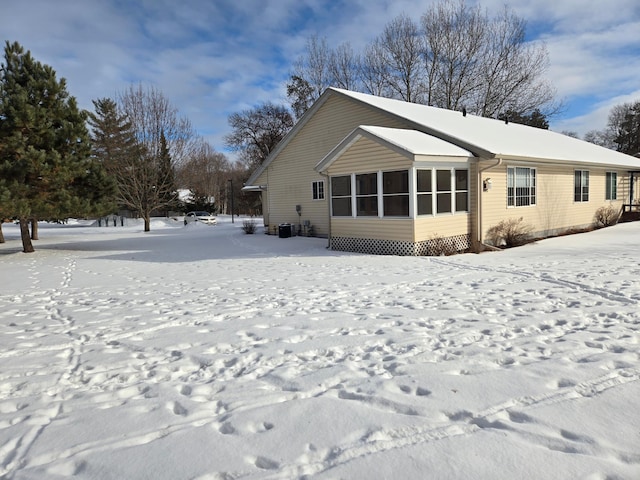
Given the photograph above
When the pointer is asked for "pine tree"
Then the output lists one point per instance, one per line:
(46, 171)
(112, 140)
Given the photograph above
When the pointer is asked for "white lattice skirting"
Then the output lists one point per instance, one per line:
(432, 247)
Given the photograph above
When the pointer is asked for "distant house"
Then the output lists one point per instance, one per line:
(384, 176)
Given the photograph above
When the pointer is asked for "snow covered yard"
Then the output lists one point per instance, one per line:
(203, 353)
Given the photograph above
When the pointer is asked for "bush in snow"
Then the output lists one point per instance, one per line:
(510, 233)
(606, 216)
(249, 226)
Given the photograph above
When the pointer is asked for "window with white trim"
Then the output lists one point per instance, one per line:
(425, 192)
(581, 186)
(388, 194)
(367, 195)
(317, 190)
(462, 190)
(451, 192)
(395, 193)
(341, 196)
(611, 189)
(521, 186)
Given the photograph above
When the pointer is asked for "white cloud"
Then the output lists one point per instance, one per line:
(214, 58)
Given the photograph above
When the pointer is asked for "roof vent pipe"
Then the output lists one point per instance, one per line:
(464, 112)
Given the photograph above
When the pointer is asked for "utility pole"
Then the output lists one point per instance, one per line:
(231, 182)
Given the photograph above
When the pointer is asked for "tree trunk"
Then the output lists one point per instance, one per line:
(147, 223)
(27, 246)
(34, 229)
(1, 234)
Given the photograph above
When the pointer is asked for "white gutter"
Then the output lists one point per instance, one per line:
(479, 199)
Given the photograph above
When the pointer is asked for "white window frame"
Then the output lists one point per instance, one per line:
(350, 197)
(384, 194)
(434, 193)
(412, 193)
(519, 179)
(584, 184)
(317, 190)
(611, 186)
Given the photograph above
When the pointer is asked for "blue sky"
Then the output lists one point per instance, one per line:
(216, 57)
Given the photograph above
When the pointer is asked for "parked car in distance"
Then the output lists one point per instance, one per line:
(204, 217)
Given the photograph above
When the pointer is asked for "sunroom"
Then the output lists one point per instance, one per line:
(398, 192)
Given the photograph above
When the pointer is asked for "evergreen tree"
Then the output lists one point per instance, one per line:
(628, 137)
(46, 171)
(534, 119)
(168, 195)
(112, 137)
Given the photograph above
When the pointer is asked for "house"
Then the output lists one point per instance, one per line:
(384, 176)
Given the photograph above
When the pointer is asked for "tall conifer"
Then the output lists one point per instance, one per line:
(46, 171)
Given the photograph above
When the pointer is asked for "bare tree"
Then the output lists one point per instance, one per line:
(146, 178)
(314, 66)
(401, 47)
(483, 64)
(457, 56)
(257, 132)
(205, 174)
(373, 70)
(344, 67)
(511, 70)
(600, 137)
(454, 35)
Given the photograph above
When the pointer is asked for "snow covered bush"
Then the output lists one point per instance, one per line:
(510, 233)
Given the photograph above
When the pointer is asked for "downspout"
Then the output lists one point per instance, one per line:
(479, 197)
(328, 194)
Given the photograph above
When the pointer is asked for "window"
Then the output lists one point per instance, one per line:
(395, 193)
(367, 195)
(388, 194)
(521, 186)
(450, 195)
(443, 191)
(341, 196)
(425, 192)
(462, 190)
(612, 186)
(581, 186)
(317, 189)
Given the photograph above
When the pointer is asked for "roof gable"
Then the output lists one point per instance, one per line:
(405, 142)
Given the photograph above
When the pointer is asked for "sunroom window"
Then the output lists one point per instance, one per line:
(425, 192)
(341, 196)
(367, 195)
(395, 193)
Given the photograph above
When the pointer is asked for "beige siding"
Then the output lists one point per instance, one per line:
(555, 209)
(294, 166)
(373, 227)
(442, 226)
(365, 156)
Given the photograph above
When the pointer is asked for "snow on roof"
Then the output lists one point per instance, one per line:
(413, 142)
(416, 142)
(492, 138)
